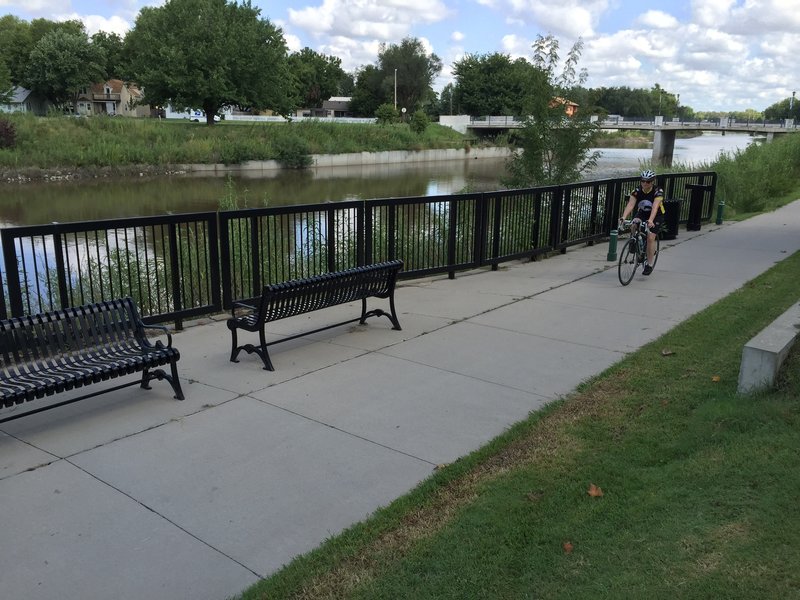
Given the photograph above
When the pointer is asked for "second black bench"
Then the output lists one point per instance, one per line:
(282, 300)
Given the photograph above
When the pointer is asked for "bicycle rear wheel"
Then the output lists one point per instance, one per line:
(628, 262)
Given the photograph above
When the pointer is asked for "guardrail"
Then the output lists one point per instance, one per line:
(183, 266)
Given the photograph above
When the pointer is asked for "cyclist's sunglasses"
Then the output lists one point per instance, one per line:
(648, 180)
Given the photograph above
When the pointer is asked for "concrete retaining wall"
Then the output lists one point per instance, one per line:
(358, 159)
(763, 355)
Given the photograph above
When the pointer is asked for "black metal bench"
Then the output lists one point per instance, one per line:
(300, 296)
(52, 352)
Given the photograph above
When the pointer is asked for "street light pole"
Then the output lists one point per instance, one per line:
(395, 89)
(791, 102)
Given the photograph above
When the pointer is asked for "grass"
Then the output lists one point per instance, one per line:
(699, 485)
(98, 142)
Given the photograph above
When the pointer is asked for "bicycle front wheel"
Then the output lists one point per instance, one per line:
(628, 264)
(655, 253)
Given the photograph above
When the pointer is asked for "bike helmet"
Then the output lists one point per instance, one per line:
(648, 175)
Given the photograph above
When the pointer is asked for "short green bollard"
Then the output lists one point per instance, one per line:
(612, 246)
(720, 207)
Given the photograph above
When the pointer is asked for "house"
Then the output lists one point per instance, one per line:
(337, 106)
(24, 100)
(112, 97)
(334, 107)
(570, 108)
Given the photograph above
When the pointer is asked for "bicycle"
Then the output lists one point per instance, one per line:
(634, 253)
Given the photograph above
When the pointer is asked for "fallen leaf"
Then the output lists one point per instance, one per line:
(715, 378)
(667, 352)
(594, 491)
(567, 547)
(535, 495)
(440, 466)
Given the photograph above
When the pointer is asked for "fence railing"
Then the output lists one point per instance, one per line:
(187, 265)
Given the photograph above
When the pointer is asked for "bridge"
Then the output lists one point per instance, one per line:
(665, 130)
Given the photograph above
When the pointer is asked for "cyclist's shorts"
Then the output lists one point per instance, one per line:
(645, 214)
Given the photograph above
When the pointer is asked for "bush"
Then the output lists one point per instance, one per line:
(8, 134)
(293, 153)
(386, 114)
(419, 122)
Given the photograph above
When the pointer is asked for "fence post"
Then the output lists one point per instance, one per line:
(175, 273)
(12, 275)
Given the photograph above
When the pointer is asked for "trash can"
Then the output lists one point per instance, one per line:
(672, 216)
(696, 205)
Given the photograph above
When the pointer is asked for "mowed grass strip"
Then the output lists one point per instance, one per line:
(656, 479)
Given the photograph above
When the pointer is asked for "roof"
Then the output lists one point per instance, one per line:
(19, 95)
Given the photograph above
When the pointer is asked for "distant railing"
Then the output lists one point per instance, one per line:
(183, 266)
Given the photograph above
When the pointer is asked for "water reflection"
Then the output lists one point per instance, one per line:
(37, 203)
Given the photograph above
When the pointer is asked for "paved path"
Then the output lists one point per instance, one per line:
(133, 495)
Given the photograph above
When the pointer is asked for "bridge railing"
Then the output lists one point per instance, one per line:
(183, 266)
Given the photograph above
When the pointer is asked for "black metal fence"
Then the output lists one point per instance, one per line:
(183, 266)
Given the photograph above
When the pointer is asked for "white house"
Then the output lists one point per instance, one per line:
(24, 100)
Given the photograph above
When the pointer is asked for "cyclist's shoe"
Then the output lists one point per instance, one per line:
(647, 270)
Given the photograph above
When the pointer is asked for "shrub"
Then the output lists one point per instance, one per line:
(293, 152)
(386, 114)
(8, 134)
(419, 122)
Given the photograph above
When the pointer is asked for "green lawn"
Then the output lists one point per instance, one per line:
(698, 487)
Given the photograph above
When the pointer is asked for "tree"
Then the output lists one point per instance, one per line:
(554, 148)
(317, 76)
(367, 94)
(447, 103)
(15, 46)
(61, 64)
(782, 110)
(112, 44)
(408, 69)
(6, 87)
(209, 54)
(493, 84)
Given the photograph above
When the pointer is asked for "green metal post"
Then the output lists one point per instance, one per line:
(612, 246)
(720, 207)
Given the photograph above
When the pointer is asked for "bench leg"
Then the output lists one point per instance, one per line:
(261, 349)
(159, 374)
(234, 348)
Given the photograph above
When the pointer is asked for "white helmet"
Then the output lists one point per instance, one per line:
(648, 175)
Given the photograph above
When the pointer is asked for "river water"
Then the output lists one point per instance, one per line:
(36, 203)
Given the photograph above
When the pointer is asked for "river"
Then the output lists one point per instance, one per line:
(36, 203)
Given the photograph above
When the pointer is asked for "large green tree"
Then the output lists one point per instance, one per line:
(367, 93)
(6, 87)
(317, 76)
(61, 64)
(209, 54)
(112, 44)
(554, 148)
(15, 46)
(493, 84)
(407, 68)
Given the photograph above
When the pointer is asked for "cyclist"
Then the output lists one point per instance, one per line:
(648, 200)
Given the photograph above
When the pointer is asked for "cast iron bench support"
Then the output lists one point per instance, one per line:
(53, 352)
(292, 298)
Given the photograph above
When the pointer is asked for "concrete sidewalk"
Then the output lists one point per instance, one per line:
(134, 495)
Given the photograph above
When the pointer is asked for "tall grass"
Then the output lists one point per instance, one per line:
(60, 142)
(758, 177)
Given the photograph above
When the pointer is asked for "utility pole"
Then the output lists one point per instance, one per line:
(395, 89)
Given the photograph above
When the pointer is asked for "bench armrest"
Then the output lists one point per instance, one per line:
(164, 330)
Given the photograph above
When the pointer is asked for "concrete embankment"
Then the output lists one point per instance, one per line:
(359, 159)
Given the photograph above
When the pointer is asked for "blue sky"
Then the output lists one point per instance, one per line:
(716, 54)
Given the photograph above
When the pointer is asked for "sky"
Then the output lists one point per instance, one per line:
(717, 55)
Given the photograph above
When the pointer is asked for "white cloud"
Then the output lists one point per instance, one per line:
(385, 20)
(95, 23)
(457, 36)
(656, 19)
